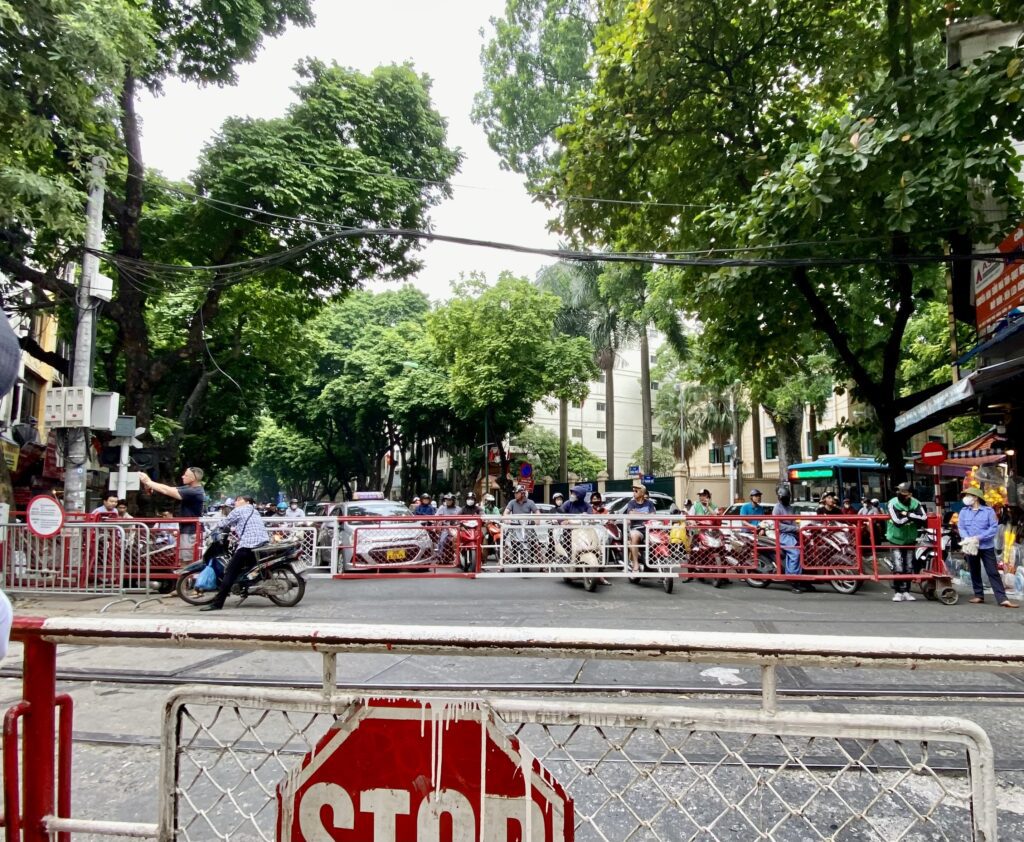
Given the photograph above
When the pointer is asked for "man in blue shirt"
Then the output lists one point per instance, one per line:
(978, 527)
(752, 508)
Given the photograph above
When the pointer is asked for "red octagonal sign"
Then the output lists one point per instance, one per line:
(397, 770)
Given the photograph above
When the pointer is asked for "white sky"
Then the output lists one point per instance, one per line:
(442, 39)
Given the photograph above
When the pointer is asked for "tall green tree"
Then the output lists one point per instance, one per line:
(503, 355)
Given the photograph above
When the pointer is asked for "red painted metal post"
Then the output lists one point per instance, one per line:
(39, 737)
(12, 773)
(66, 705)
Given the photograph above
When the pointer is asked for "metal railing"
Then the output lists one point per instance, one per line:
(630, 770)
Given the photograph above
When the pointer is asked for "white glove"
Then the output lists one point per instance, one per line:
(969, 546)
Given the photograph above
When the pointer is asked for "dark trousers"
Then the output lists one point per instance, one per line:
(986, 557)
(242, 560)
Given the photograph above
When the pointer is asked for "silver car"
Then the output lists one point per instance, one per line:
(382, 543)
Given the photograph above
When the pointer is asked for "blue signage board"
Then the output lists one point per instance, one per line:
(648, 479)
(634, 470)
(526, 470)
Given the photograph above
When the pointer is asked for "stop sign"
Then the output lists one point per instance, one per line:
(933, 453)
(397, 770)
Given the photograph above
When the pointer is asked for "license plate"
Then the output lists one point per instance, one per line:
(396, 555)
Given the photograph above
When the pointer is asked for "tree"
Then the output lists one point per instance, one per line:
(535, 66)
(774, 124)
(355, 150)
(663, 461)
(289, 457)
(503, 355)
(540, 448)
(586, 311)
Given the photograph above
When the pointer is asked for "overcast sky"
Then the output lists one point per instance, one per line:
(441, 39)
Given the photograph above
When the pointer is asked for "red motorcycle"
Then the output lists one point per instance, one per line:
(658, 557)
(468, 537)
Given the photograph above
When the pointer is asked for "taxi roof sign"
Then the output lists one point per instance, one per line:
(367, 495)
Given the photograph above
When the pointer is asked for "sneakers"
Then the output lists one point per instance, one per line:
(897, 597)
(903, 597)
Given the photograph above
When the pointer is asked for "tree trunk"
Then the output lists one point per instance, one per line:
(812, 424)
(755, 431)
(788, 430)
(646, 409)
(609, 416)
(563, 440)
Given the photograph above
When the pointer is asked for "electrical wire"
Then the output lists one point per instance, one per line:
(288, 255)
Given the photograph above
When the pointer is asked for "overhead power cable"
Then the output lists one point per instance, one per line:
(288, 255)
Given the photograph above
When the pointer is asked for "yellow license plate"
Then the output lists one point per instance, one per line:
(396, 555)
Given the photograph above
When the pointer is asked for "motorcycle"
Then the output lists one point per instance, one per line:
(707, 554)
(273, 575)
(585, 552)
(468, 537)
(658, 557)
(833, 548)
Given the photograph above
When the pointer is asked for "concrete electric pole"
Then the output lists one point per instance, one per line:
(76, 465)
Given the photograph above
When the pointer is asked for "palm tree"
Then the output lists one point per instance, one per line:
(587, 312)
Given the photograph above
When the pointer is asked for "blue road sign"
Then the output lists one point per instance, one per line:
(648, 479)
(634, 470)
(526, 470)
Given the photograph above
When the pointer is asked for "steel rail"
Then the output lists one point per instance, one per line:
(151, 678)
(764, 650)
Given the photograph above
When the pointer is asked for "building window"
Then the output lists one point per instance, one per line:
(824, 445)
(577, 433)
(601, 434)
(654, 385)
(716, 455)
(654, 358)
(771, 447)
(600, 406)
(577, 404)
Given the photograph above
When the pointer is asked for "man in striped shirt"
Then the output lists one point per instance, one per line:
(248, 526)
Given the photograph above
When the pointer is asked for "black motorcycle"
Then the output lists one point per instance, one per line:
(273, 575)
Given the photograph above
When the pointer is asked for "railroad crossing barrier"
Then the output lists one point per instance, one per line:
(250, 763)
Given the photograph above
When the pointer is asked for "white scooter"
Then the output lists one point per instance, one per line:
(585, 552)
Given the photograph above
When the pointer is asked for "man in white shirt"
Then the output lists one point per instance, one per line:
(294, 510)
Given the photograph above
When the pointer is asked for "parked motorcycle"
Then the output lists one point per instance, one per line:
(707, 555)
(273, 575)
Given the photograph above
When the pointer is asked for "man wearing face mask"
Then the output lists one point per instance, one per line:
(789, 531)
(906, 517)
(978, 527)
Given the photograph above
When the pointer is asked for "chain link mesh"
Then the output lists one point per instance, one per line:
(666, 781)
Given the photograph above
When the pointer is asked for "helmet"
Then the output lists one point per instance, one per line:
(448, 496)
(755, 492)
(471, 497)
(904, 488)
(558, 495)
(518, 489)
(488, 498)
(783, 491)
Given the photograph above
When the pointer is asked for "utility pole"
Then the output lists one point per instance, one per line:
(737, 458)
(76, 464)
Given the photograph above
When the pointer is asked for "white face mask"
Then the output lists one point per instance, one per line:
(970, 499)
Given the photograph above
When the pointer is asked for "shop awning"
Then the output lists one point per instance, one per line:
(956, 399)
(986, 449)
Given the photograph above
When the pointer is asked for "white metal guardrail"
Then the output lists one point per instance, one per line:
(632, 770)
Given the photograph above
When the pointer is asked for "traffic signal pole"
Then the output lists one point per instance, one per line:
(76, 464)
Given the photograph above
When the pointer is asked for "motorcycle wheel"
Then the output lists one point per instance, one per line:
(718, 583)
(163, 586)
(846, 587)
(296, 590)
(589, 584)
(766, 566)
(185, 588)
(668, 583)
(466, 560)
